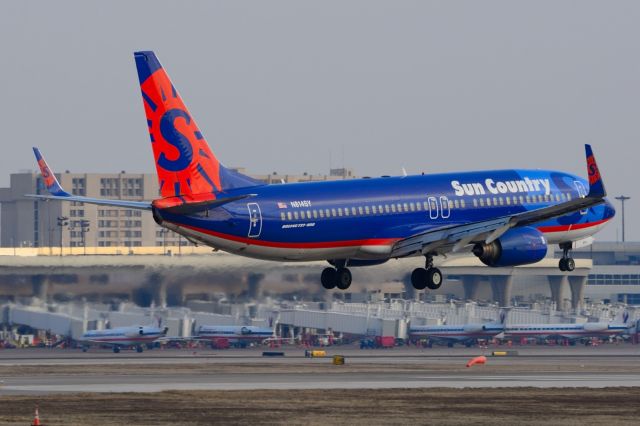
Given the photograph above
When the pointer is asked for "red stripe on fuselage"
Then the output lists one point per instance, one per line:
(277, 244)
(354, 243)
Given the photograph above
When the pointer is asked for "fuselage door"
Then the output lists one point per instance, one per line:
(255, 220)
(582, 192)
(444, 207)
(433, 207)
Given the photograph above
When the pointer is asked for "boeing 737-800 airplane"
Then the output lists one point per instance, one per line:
(505, 217)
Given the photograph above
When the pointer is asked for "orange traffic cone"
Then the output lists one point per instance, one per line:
(477, 360)
(36, 419)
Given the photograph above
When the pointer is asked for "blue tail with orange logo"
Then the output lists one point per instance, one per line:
(188, 171)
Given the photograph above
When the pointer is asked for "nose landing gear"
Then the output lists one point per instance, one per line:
(566, 264)
(427, 277)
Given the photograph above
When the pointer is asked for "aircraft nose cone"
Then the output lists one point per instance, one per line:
(609, 211)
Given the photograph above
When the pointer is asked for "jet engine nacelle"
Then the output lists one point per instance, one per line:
(518, 246)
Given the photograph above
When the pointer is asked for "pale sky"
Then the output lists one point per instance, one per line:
(288, 85)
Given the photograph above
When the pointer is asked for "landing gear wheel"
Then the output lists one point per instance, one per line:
(343, 278)
(139, 349)
(329, 278)
(566, 264)
(116, 349)
(562, 264)
(570, 264)
(419, 278)
(434, 278)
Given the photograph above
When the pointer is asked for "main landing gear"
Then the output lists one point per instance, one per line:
(427, 277)
(339, 277)
(566, 264)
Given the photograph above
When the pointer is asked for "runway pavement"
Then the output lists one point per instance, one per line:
(43, 371)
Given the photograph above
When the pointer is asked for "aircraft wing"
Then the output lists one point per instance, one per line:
(455, 237)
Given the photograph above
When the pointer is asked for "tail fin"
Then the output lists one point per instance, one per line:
(503, 316)
(185, 164)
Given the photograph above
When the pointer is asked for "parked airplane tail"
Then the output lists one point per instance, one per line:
(187, 168)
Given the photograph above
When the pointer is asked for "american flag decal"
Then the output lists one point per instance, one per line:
(282, 205)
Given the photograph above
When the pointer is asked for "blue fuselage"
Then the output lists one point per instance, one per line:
(363, 218)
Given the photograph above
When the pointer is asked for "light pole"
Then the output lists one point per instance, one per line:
(84, 228)
(622, 199)
(62, 222)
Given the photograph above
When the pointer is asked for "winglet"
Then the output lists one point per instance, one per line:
(49, 179)
(596, 187)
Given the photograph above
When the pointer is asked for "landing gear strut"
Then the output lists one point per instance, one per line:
(566, 264)
(427, 277)
(339, 277)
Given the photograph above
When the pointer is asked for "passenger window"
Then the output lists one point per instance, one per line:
(456, 203)
(521, 199)
(558, 197)
(333, 213)
(308, 214)
(321, 214)
(374, 209)
(462, 203)
(508, 201)
(426, 206)
(289, 215)
(405, 207)
(568, 196)
(360, 211)
(315, 214)
(295, 215)
(528, 199)
(327, 213)
(501, 201)
(386, 208)
(475, 203)
(495, 201)
(412, 206)
(353, 211)
(418, 206)
(340, 211)
(282, 216)
(393, 208)
(380, 208)
(346, 211)
(366, 209)
(451, 204)
(488, 202)
(481, 202)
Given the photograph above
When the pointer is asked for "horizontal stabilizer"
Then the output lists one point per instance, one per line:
(58, 193)
(196, 207)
